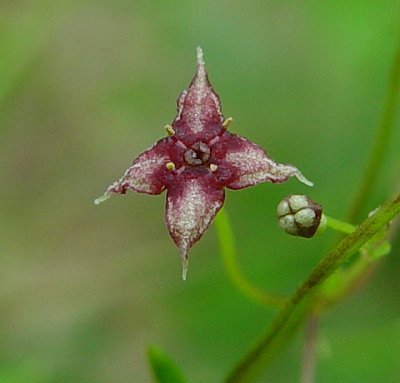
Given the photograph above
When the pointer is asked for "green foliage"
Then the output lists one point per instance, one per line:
(163, 367)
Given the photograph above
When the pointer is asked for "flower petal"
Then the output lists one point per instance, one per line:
(199, 115)
(147, 173)
(193, 200)
(249, 164)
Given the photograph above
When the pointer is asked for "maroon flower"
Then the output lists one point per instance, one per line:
(195, 162)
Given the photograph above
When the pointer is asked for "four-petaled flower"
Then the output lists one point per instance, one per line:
(195, 162)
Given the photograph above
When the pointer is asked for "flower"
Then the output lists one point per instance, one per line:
(195, 162)
(300, 216)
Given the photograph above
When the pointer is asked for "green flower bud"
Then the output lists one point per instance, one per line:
(299, 215)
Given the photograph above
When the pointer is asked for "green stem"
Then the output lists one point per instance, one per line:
(381, 141)
(338, 225)
(298, 307)
(228, 253)
(310, 349)
(349, 280)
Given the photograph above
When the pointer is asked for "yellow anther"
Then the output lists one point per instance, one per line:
(170, 166)
(170, 130)
(213, 167)
(227, 122)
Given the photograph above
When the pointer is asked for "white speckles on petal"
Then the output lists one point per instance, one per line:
(140, 175)
(181, 104)
(199, 109)
(197, 125)
(191, 206)
(199, 88)
(253, 166)
(201, 83)
(146, 173)
(200, 59)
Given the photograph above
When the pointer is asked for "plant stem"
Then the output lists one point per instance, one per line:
(350, 279)
(381, 141)
(338, 225)
(296, 309)
(309, 351)
(228, 253)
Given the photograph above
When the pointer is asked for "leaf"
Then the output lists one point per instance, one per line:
(164, 368)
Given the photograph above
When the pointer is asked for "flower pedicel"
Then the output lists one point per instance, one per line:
(195, 162)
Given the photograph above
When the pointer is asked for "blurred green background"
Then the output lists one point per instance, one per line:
(87, 85)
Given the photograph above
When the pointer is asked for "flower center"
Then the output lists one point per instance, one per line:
(198, 154)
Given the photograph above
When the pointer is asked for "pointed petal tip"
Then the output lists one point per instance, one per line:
(200, 82)
(200, 59)
(303, 179)
(201, 73)
(102, 198)
(185, 265)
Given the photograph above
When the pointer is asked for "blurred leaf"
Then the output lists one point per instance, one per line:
(164, 367)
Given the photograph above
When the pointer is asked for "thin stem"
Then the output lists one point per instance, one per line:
(309, 350)
(298, 307)
(338, 225)
(228, 253)
(351, 279)
(381, 141)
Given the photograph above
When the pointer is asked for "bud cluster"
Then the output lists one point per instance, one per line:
(299, 215)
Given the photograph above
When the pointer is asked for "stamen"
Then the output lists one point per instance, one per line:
(170, 166)
(170, 130)
(227, 122)
(213, 167)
